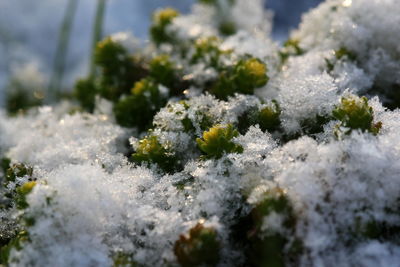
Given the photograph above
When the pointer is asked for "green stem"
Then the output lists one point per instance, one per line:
(61, 52)
(97, 32)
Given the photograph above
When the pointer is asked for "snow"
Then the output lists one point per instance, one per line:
(91, 202)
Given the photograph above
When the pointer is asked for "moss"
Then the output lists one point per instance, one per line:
(355, 114)
(161, 20)
(151, 151)
(217, 141)
(199, 248)
(139, 108)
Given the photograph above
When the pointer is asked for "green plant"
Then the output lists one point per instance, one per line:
(22, 192)
(290, 48)
(138, 108)
(121, 259)
(270, 247)
(355, 114)
(268, 117)
(245, 76)
(218, 140)
(199, 248)
(161, 20)
(150, 150)
(16, 243)
(341, 53)
(163, 70)
(19, 98)
(119, 70)
(208, 50)
(85, 92)
(18, 170)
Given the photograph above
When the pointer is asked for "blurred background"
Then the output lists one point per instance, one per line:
(30, 30)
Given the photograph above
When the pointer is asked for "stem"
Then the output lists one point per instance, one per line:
(61, 52)
(97, 32)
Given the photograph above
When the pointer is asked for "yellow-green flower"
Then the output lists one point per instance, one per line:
(218, 141)
(355, 113)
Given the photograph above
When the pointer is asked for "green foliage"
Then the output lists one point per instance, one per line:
(5, 164)
(273, 200)
(226, 25)
(355, 114)
(244, 77)
(119, 70)
(22, 192)
(345, 53)
(268, 247)
(224, 86)
(123, 260)
(250, 74)
(214, 2)
(139, 108)
(20, 98)
(199, 248)
(227, 28)
(150, 150)
(268, 117)
(15, 243)
(377, 230)
(164, 71)
(208, 50)
(18, 170)
(161, 19)
(314, 125)
(218, 140)
(208, 2)
(290, 48)
(85, 92)
(341, 53)
(248, 118)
